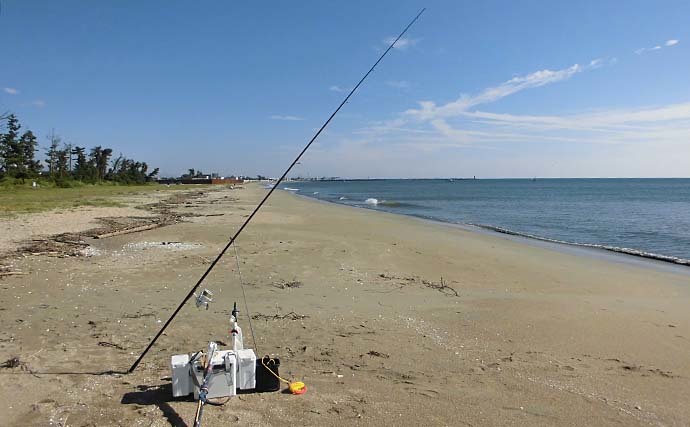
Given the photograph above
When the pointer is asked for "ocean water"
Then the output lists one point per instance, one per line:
(644, 217)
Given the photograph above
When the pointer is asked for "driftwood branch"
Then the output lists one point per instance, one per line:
(128, 230)
(290, 316)
(11, 273)
(441, 287)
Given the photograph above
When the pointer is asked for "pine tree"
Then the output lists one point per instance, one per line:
(81, 166)
(28, 143)
(62, 165)
(2, 146)
(10, 148)
(70, 153)
(100, 157)
(106, 153)
(52, 153)
(152, 175)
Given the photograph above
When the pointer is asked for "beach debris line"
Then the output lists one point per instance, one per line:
(61, 245)
(377, 354)
(128, 230)
(11, 273)
(15, 362)
(441, 286)
(12, 362)
(109, 344)
(10, 270)
(164, 215)
(137, 315)
(144, 245)
(288, 316)
(288, 284)
(269, 193)
(75, 245)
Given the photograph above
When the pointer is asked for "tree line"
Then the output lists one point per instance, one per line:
(63, 162)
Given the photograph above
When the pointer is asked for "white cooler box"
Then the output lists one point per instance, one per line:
(231, 370)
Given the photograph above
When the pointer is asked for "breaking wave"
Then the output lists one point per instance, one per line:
(388, 203)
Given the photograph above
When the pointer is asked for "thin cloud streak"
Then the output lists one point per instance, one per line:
(667, 43)
(10, 90)
(667, 123)
(336, 88)
(459, 124)
(402, 44)
(286, 118)
(593, 120)
(429, 110)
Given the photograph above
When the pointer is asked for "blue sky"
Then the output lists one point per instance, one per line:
(492, 89)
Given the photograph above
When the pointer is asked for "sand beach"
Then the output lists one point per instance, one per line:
(389, 320)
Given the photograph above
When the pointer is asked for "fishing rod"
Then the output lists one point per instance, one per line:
(256, 209)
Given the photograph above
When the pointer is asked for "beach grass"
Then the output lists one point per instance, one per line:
(19, 199)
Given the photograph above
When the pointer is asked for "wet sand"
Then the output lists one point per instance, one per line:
(396, 321)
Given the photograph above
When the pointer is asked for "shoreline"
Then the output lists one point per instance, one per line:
(612, 253)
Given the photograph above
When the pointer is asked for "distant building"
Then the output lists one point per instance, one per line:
(224, 180)
(209, 180)
(202, 180)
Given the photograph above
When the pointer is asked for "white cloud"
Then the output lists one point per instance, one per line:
(616, 125)
(287, 118)
(429, 110)
(454, 138)
(336, 88)
(38, 103)
(10, 90)
(646, 141)
(667, 43)
(655, 124)
(402, 44)
(398, 84)
(460, 124)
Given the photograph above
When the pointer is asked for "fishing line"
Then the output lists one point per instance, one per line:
(244, 296)
(277, 183)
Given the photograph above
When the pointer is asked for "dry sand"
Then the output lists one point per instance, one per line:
(533, 337)
(16, 230)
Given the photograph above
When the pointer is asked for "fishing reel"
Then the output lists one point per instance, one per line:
(204, 298)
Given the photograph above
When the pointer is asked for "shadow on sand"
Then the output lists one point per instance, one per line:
(155, 395)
